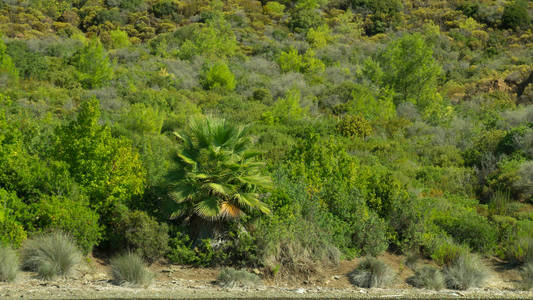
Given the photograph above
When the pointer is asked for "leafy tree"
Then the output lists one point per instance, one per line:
(286, 109)
(515, 15)
(410, 70)
(93, 65)
(106, 167)
(221, 177)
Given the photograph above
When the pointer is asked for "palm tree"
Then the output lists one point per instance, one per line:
(221, 177)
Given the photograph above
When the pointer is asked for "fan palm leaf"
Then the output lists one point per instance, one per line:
(221, 173)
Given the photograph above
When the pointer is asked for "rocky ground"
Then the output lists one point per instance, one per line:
(93, 282)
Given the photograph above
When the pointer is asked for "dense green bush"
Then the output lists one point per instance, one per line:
(471, 229)
(12, 232)
(70, 216)
(445, 252)
(515, 15)
(28, 63)
(218, 77)
(142, 234)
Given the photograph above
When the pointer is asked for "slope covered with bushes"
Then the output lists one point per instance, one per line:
(276, 134)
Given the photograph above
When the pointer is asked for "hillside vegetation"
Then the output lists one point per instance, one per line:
(281, 135)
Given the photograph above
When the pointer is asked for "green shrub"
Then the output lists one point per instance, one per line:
(427, 277)
(354, 125)
(305, 15)
(119, 39)
(445, 252)
(69, 216)
(93, 65)
(180, 250)
(520, 250)
(142, 234)
(372, 272)
(526, 272)
(11, 230)
(130, 269)
(499, 203)
(166, 9)
(371, 235)
(218, 77)
(229, 277)
(515, 15)
(51, 255)
(9, 264)
(274, 9)
(466, 271)
(28, 63)
(6, 63)
(471, 229)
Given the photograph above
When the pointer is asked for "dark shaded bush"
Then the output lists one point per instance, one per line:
(427, 277)
(28, 63)
(527, 276)
(515, 15)
(372, 272)
(465, 272)
(140, 233)
(229, 277)
(9, 264)
(520, 250)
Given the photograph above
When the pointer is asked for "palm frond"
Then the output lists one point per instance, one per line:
(186, 159)
(228, 210)
(182, 192)
(222, 189)
(208, 208)
(256, 180)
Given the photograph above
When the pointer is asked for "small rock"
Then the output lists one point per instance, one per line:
(336, 277)
(256, 271)
(300, 291)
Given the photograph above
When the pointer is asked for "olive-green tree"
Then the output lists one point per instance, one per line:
(107, 168)
(93, 65)
(410, 70)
